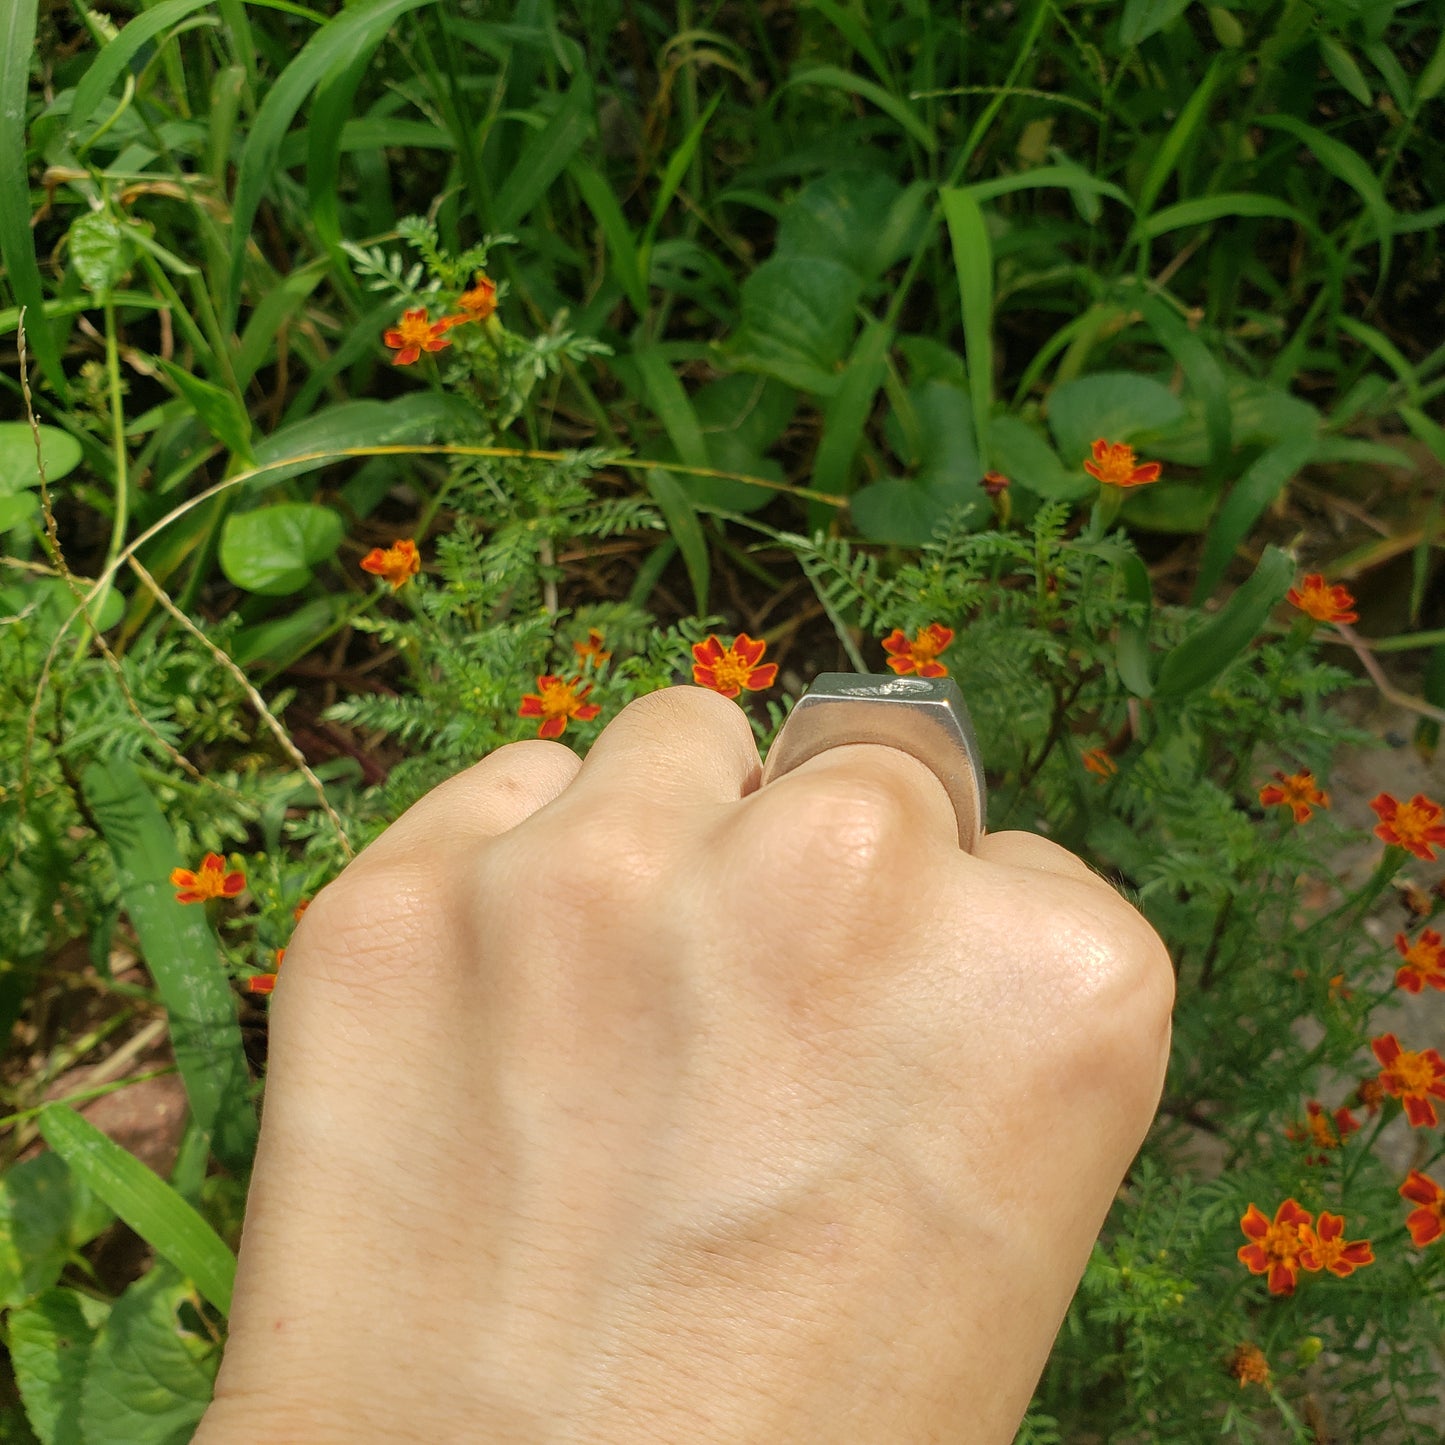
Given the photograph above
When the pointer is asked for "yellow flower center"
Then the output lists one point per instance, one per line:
(1117, 464)
(416, 329)
(1410, 824)
(730, 670)
(1283, 1242)
(1413, 1073)
(558, 699)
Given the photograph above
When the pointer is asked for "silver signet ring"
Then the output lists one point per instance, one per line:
(924, 717)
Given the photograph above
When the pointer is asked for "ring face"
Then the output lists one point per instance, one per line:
(925, 717)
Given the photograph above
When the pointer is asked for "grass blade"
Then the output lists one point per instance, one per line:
(1202, 368)
(145, 1201)
(602, 202)
(1166, 158)
(356, 31)
(893, 107)
(544, 157)
(686, 530)
(181, 953)
(671, 405)
(973, 260)
(17, 247)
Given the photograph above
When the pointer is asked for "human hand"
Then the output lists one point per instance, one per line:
(623, 1101)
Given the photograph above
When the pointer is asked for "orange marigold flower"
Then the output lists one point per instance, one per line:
(1322, 602)
(396, 563)
(265, 982)
(210, 880)
(1427, 1223)
(1370, 1094)
(730, 669)
(1114, 465)
(415, 333)
(1322, 1129)
(1424, 961)
(478, 303)
(1414, 825)
(1326, 1248)
(555, 702)
(1096, 760)
(1412, 1077)
(1275, 1248)
(921, 654)
(995, 484)
(1298, 792)
(1248, 1365)
(591, 651)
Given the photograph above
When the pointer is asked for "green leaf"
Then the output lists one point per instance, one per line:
(1190, 118)
(181, 954)
(846, 415)
(37, 1234)
(544, 158)
(279, 641)
(358, 29)
(670, 404)
(1061, 177)
(891, 105)
(1248, 499)
(100, 251)
(149, 1379)
(1343, 66)
(1210, 648)
(798, 317)
(1201, 367)
(114, 59)
(17, 244)
(1204, 210)
(1028, 461)
(1117, 406)
(219, 411)
(682, 522)
(145, 1201)
(17, 508)
(896, 512)
(50, 1341)
(1143, 18)
(862, 219)
(621, 245)
(59, 451)
(271, 550)
(1432, 78)
(741, 417)
(973, 262)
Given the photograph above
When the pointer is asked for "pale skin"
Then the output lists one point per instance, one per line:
(624, 1101)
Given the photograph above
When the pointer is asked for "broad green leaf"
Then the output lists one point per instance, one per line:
(17, 244)
(219, 411)
(181, 953)
(1028, 461)
(272, 550)
(973, 263)
(36, 1233)
(544, 158)
(115, 58)
(149, 1379)
(19, 466)
(1179, 507)
(17, 508)
(1247, 500)
(1143, 18)
(862, 219)
(319, 439)
(358, 29)
(50, 1340)
(100, 251)
(686, 531)
(897, 512)
(47, 603)
(891, 105)
(1211, 647)
(741, 417)
(1117, 406)
(798, 317)
(145, 1201)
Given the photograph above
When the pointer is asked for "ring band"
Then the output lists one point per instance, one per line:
(925, 717)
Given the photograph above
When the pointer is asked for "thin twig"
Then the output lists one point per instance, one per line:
(257, 701)
(1387, 689)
